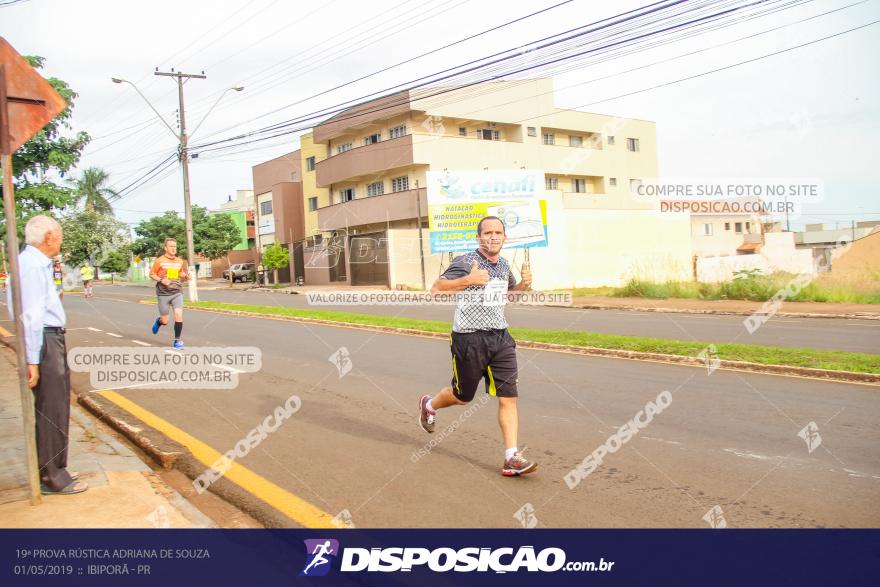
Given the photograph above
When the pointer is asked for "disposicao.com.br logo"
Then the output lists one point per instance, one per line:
(442, 560)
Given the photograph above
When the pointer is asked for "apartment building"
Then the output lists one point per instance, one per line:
(715, 235)
(365, 175)
(279, 209)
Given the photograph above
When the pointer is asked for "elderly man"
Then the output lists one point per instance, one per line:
(46, 353)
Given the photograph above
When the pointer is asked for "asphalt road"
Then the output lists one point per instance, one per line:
(821, 333)
(727, 439)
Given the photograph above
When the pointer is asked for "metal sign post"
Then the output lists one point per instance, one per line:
(27, 104)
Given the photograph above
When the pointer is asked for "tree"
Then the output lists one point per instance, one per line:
(275, 257)
(154, 231)
(89, 234)
(48, 153)
(117, 261)
(215, 237)
(91, 189)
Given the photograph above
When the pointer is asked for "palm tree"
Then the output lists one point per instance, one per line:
(91, 189)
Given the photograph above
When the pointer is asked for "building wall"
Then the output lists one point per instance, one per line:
(722, 241)
(861, 260)
(308, 148)
(281, 169)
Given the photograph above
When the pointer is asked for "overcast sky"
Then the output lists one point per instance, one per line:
(811, 112)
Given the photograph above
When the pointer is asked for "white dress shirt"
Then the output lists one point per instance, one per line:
(39, 298)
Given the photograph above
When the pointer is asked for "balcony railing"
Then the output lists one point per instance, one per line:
(373, 210)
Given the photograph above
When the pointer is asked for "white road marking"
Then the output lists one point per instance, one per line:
(94, 329)
(114, 335)
(140, 343)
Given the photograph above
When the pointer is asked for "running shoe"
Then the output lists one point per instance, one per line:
(518, 465)
(426, 418)
(156, 325)
(177, 344)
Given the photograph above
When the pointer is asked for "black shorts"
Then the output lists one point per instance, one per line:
(489, 355)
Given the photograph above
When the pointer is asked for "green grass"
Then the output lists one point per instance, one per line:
(757, 288)
(819, 359)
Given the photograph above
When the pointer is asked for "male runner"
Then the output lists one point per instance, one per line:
(87, 274)
(168, 271)
(482, 348)
(58, 277)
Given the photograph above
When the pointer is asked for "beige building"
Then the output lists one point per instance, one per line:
(279, 208)
(364, 172)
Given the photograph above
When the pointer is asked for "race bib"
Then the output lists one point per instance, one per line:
(495, 293)
(173, 273)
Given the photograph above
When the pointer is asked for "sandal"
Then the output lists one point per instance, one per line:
(74, 487)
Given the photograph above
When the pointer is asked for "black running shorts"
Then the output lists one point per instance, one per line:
(489, 355)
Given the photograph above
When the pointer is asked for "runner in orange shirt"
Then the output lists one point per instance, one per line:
(168, 271)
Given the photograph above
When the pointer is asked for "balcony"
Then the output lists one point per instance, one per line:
(369, 159)
(372, 210)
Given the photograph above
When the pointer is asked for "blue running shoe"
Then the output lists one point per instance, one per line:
(156, 325)
(177, 344)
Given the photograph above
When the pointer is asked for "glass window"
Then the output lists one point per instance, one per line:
(612, 181)
(372, 139)
(462, 131)
(632, 145)
(532, 131)
(377, 188)
(580, 186)
(707, 229)
(552, 183)
(738, 227)
(346, 195)
(343, 148)
(310, 164)
(265, 208)
(313, 203)
(400, 184)
(610, 140)
(397, 131)
(575, 141)
(549, 138)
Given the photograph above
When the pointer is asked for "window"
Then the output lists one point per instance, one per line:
(738, 227)
(727, 226)
(580, 186)
(310, 164)
(610, 141)
(707, 229)
(400, 184)
(634, 185)
(532, 131)
(346, 195)
(265, 208)
(397, 132)
(549, 138)
(372, 139)
(612, 181)
(377, 188)
(343, 148)
(487, 134)
(632, 145)
(462, 131)
(748, 226)
(313, 203)
(575, 141)
(552, 183)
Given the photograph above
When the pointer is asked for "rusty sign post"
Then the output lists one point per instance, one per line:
(27, 104)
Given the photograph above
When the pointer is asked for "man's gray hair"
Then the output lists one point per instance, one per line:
(37, 228)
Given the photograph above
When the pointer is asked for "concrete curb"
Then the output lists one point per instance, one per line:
(809, 372)
(172, 455)
(856, 316)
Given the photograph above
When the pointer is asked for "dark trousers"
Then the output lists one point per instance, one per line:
(52, 402)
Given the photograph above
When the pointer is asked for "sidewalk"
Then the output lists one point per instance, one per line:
(123, 491)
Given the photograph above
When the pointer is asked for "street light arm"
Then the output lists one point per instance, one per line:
(117, 80)
(211, 109)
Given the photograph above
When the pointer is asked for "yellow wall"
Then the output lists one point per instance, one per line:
(310, 187)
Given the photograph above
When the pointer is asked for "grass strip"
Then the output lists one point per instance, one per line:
(795, 357)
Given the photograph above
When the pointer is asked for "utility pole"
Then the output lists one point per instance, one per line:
(421, 242)
(184, 162)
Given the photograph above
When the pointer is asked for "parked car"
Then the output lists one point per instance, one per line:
(240, 272)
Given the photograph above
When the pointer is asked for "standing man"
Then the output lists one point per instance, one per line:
(87, 274)
(168, 271)
(46, 353)
(482, 348)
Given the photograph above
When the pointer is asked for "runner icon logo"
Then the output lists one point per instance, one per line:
(320, 554)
